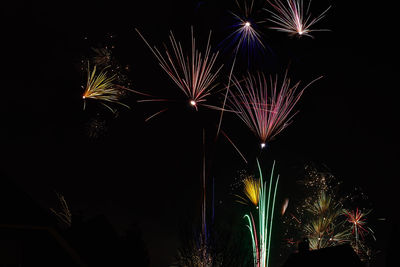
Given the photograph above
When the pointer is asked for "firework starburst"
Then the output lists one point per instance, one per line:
(101, 86)
(289, 16)
(246, 34)
(265, 106)
(251, 188)
(324, 227)
(194, 73)
(357, 220)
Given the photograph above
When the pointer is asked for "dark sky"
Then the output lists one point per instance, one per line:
(149, 173)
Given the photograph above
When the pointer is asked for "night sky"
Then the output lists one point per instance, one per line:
(149, 173)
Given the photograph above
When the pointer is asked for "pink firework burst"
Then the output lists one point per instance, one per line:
(265, 105)
(194, 73)
(290, 17)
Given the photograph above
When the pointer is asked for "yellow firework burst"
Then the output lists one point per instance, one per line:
(102, 87)
(251, 188)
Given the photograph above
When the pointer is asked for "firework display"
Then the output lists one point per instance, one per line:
(321, 216)
(266, 104)
(261, 101)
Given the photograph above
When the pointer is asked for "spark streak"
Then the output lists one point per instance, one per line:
(64, 215)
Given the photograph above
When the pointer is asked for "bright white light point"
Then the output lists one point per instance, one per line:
(83, 97)
(247, 24)
(192, 102)
(262, 145)
(300, 32)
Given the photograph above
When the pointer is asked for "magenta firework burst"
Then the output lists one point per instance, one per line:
(289, 16)
(194, 73)
(265, 105)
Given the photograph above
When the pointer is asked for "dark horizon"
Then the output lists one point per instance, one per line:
(149, 173)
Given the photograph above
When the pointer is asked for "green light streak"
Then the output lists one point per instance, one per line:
(265, 218)
(250, 226)
(272, 217)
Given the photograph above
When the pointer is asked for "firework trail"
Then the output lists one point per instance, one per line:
(224, 103)
(194, 74)
(204, 204)
(64, 215)
(289, 16)
(234, 146)
(265, 106)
